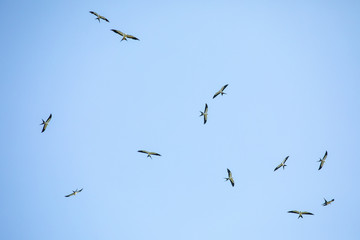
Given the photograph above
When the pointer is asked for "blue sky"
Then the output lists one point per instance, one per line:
(293, 74)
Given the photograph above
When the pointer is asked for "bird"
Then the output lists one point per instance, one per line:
(282, 164)
(322, 161)
(99, 16)
(125, 36)
(327, 202)
(230, 177)
(300, 213)
(45, 123)
(74, 193)
(149, 153)
(220, 91)
(205, 113)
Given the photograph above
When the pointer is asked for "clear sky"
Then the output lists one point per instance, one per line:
(293, 74)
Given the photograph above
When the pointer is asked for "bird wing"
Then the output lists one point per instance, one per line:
(103, 18)
(205, 118)
(80, 190)
(154, 153)
(71, 194)
(307, 213)
(44, 127)
(49, 118)
(217, 93)
(206, 108)
(279, 166)
(325, 156)
(118, 32)
(232, 181)
(294, 211)
(132, 37)
(229, 173)
(223, 88)
(94, 13)
(321, 164)
(143, 151)
(284, 161)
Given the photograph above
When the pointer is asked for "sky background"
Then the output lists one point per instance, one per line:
(293, 74)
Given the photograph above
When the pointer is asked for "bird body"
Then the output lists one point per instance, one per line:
(282, 164)
(322, 160)
(205, 113)
(327, 202)
(149, 153)
(230, 178)
(45, 123)
(74, 193)
(98, 17)
(300, 213)
(124, 36)
(220, 91)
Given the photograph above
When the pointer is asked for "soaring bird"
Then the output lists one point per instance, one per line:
(45, 123)
(220, 91)
(230, 177)
(125, 36)
(322, 161)
(205, 113)
(300, 213)
(74, 193)
(282, 164)
(149, 153)
(328, 202)
(98, 17)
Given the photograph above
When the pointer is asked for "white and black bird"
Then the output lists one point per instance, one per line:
(124, 36)
(300, 213)
(45, 123)
(74, 193)
(220, 91)
(149, 153)
(98, 17)
(230, 177)
(205, 113)
(282, 164)
(327, 202)
(322, 160)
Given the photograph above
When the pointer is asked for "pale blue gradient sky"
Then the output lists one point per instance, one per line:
(293, 74)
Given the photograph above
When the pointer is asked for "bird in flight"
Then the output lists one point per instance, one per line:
(98, 17)
(125, 36)
(300, 213)
(220, 91)
(328, 202)
(46, 123)
(205, 113)
(74, 193)
(230, 177)
(149, 153)
(322, 161)
(282, 164)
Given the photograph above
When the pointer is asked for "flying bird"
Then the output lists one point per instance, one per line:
(205, 113)
(149, 153)
(300, 213)
(74, 193)
(328, 202)
(230, 177)
(98, 17)
(220, 91)
(282, 164)
(45, 123)
(322, 161)
(125, 36)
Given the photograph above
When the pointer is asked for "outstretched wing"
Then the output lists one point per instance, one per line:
(154, 153)
(103, 18)
(80, 190)
(229, 173)
(71, 194)
(118, 32)
(223, 88)
(44, 127)
(232, 181)
(284, 161)
(321, 164)
(49, 118)
(143, 151)
(217, 93)
(279, 166)
(94, 13)
(132, 37)
(206, 108)
(325, 156)
(307, 213)
(294, 211)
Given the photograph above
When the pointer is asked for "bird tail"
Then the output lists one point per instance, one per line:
(201, 113)
(284, 166)
(98, 19)
(226, 179)
(43, 122)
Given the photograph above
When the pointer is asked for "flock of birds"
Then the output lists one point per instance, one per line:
(205, 115)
